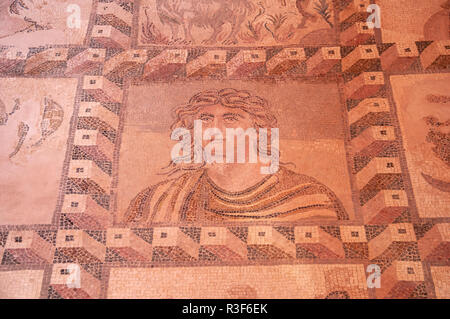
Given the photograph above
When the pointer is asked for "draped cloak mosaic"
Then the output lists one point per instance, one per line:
(85, 118)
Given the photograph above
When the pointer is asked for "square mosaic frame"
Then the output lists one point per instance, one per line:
(387, 230)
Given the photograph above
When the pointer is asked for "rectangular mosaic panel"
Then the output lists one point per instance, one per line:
(91, 205)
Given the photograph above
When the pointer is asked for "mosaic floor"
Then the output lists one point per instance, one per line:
(93, 205)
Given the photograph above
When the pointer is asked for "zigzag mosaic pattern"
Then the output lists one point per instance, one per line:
(388, 231)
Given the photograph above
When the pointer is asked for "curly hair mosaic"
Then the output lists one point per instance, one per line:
(92, 205)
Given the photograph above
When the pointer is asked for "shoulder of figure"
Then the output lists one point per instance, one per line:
(290, 177)
(139, 205)
(139, 201)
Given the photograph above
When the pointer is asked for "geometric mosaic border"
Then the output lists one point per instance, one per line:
(387, 229)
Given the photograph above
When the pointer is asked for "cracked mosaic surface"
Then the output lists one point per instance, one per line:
(92, 207)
